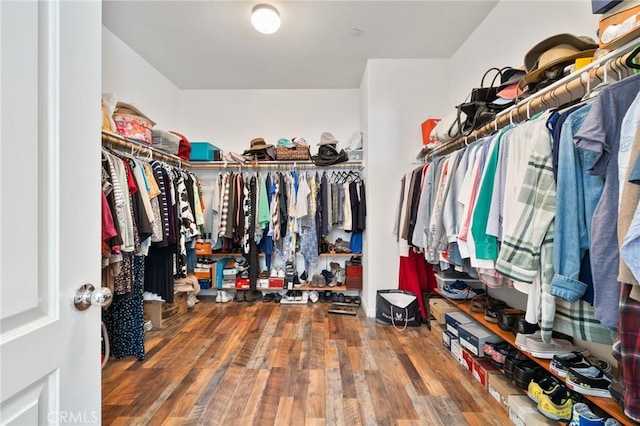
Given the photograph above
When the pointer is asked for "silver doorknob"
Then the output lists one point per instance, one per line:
(87, 295)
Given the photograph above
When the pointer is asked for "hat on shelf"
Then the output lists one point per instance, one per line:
(508, 88)
(285, 143)
(328, 155)
(327, 138)
(258, 144)
(556, 51)
(300, 142)
(355, 141)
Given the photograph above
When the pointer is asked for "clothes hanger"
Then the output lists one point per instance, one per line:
(632, 56)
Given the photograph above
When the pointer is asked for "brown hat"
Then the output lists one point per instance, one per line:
(555, 50)
(258, 144)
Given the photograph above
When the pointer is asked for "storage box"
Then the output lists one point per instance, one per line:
(204, 151)
(355, 155)
(204, 284)
(442, 280)
(161, 312)
(448, 338)
(439, 307)
(630, 17)
(134, 127)
(533, 418)
(456, 350)
(467, 360)
(353, 283)
(242, 283)
(473, 337)
(500, 388)
(454, 319)
(482, 370)
(292, 154)
(203, 249)
(353, 270)
(519, 406)
(276, 282)
(203, 273)
(262, 283)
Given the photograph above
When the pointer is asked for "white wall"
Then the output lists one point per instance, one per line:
(399, 96)
(231, 118)
(511, 29)
(134, 80)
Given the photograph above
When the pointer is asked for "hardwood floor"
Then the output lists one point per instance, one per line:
(266, 364)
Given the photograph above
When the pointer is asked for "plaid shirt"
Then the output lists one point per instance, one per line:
(627, 351)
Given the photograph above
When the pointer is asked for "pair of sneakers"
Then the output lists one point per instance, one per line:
(552, 397)
(277, 273)
(583, 416)
(223, 296)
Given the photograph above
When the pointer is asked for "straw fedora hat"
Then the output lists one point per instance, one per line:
(555, 50)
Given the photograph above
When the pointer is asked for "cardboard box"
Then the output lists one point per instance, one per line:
(262, 283)
(276, 282)
(454, 319)
(474, 336)
(482, 370)
(354, 283)
(203, 249)
(519, 406)
(500, 387)
(242, 283)
(161, 312)
(467, 360)
(456, 350)
(630, 16)
(534, 418)
(448, 338)
(439, 307)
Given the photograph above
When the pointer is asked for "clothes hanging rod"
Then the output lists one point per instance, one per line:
(274, 165)
(568, 89)
(122, 142)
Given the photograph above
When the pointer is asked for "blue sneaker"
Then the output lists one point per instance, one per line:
(459, 290)
(583, 416)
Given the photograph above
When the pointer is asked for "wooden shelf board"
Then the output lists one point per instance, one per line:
(220, 254)
(609, 405)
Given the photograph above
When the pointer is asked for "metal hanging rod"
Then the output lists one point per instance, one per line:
(127, 143)
(568, 89)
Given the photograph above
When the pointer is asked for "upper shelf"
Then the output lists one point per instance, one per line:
(134, 145)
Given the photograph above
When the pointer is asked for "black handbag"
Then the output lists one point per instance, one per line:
(398, 308)
(479, 109)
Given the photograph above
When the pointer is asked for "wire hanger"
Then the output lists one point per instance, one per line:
(629, 61)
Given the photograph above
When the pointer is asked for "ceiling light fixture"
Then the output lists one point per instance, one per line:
(265, 18)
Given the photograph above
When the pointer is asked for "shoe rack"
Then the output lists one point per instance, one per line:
(609, 405)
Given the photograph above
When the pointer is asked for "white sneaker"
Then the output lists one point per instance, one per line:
(218, 296)
(274, 273)
(280, 273)
(313, 296)
(148, 325)
(225, 297)
(305, 296)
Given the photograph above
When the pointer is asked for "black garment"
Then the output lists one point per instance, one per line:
(164, 208)
(323, 206)
(284, 215)
(188, 182)
(159, 265)
(124, 319)
(240, 227)
(362, 210)
(254, 266)
(415, 196)
(354, 202)
(233, 208)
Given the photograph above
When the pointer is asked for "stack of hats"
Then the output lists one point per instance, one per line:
(327, 152)
(508, 90)
(260, 150)
(546, 61)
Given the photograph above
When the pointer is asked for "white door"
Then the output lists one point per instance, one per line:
(49, 210)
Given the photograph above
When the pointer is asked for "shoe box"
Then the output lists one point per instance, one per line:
(353, 274)
(438, 307)
(229, 277)
(534, 418)
(467, 359)
(519, 406)
(262, 283)
(161, 312)
(276, 282)
(483, 369)
(500, 387)
(242, 283)
(473, 336)
(456, 350)
(454, 319)
(448, 338)
(203, 249)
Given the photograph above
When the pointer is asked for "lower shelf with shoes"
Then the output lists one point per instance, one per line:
(555, 384)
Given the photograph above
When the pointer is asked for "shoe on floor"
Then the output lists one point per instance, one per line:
(225, 297)
(589, 381)
(558, 405)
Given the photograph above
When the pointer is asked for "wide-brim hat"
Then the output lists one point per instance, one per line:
(328, 155)
(258, 144)
(554, 51)
(327, 138)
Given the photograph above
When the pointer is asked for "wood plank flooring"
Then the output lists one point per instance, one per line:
(266, 364)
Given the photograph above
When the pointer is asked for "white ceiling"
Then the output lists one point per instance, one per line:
(212, 45)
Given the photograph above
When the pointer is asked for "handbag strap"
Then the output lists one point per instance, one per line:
(406, 319)
(498, 73)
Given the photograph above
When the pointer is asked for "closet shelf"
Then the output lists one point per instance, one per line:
(273, 165)
(127, 143)
(570, 88)
(221, 254)
(607, 404)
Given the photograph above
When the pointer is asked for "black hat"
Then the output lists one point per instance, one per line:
(327, 155)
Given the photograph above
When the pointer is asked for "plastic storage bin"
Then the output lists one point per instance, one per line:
(204, 151)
